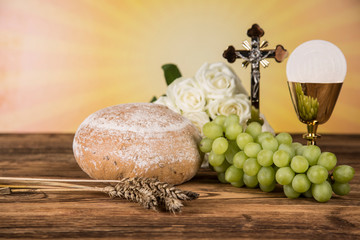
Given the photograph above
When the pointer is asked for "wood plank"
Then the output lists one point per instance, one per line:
(222, 211)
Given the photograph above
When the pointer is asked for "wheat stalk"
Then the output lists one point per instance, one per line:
(163, 194)
(148, 192)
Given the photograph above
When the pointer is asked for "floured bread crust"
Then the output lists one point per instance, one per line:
(138, 140)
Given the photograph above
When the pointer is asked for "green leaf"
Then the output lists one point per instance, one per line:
(153, 99)
(171, 72)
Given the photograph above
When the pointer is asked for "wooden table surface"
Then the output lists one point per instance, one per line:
(221, 212)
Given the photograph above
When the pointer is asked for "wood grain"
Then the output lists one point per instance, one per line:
(221, 212)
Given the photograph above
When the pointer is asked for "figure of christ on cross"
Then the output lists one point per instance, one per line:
(255, 56)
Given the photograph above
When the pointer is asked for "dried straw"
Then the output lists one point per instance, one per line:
(148, 192)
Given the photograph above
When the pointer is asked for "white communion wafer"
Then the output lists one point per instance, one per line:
(316, 61)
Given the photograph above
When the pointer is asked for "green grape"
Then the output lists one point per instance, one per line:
(312, 154)
(220, 145)
(239, 159)
(299, 164)
(251, 166)
(301, 183)
(290, 192)
(281, 158)
(233, 174)
(328, 160)
(322, 192)
(265, 158)
(268, 188)
(300, 150)
(206, 145)
(233, 130)
(308, 193)
(250, 181)
(317, 174)
(341, 188)
(284, 138)
(212, 130)
(220, 120)
(270, 143)
(343, 173)
(242, 139)
(252, 149)
(288, 148)
(266, 176)
(231, 119)
(231, 151)
(284, 175)
(254, 129)
(295, 146)
(238, 183)
(216, 160)
(221, 177)
(262, 136)
(222, 168)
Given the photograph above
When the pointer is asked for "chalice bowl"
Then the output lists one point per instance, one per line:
(315, 71)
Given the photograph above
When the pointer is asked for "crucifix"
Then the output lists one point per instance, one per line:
(255, 56)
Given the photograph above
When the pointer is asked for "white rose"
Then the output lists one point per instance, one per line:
(187, 95)
(238, 104)
(197, 118)
(164, 100)
(218, 80)
(266, 126)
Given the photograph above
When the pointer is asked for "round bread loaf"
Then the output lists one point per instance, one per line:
(138, 140)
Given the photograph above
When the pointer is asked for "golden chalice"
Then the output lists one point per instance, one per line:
(315, 71)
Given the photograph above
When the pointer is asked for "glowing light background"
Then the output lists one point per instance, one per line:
(62, 60)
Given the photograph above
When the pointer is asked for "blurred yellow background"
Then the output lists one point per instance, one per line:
(62, 60)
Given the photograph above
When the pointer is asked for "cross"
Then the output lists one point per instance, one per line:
(255, 56)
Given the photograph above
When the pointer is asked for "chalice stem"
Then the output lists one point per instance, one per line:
(311, 135)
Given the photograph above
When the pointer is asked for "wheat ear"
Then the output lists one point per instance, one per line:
(151, 193)
(148, 192)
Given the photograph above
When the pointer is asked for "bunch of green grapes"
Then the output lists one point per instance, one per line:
(259, 159)
(307, 105)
